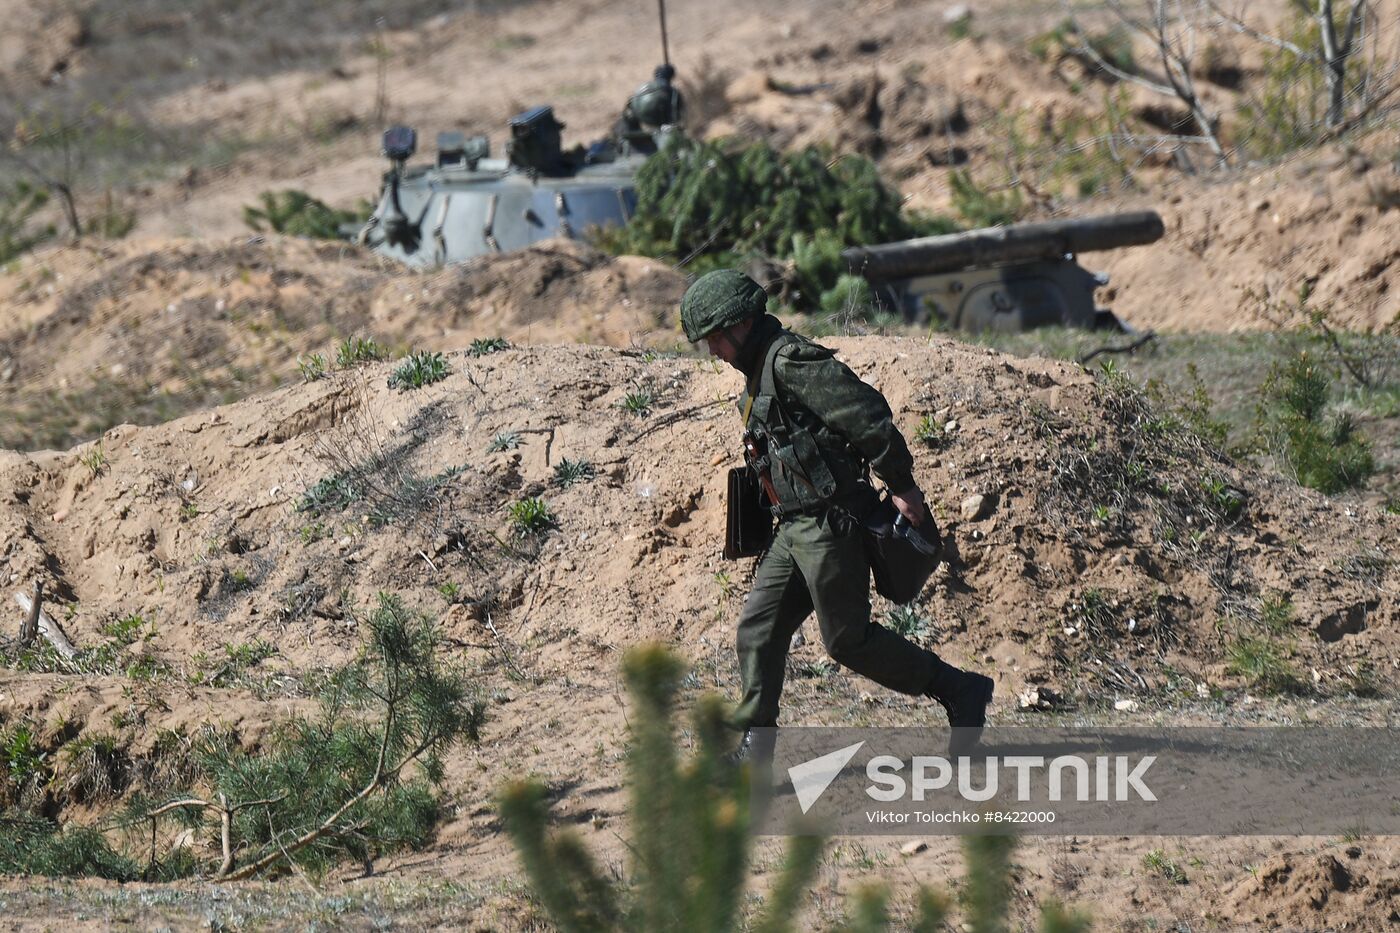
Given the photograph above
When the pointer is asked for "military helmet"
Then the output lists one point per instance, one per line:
(721, 298)
(658, 102)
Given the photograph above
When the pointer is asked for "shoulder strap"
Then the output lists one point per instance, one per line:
(767, 383)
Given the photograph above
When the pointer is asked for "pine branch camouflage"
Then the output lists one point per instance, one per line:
(717, 205)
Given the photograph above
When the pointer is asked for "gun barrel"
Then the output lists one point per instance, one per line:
(994, 245)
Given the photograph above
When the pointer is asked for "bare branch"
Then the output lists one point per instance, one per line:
(1244, 29)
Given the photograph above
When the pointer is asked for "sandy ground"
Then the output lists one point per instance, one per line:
(197, 326)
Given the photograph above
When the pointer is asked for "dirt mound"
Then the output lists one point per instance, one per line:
(246, 537)
(256, 517)
(145, 331)
(1343, 889)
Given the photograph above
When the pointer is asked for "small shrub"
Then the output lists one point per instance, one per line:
(330, 494)
(713, 202)
(111, 220)
(312, 367)
(850, 293)
(95, 459)
(312, 532)
(249, 654)
(235, 581)
(1114, 46)
(19, 202)
(37, 846)
(932, 433)
(691, 841)
(483, 346)
(981, 207)
(1159, 863)
(338, 785)
(297, 213)
(26, 767)
(421, 368)
(92, 769)
(639, 402)
(506, 440)
(125, 630)
(906, 621)
(1262, 662)
(355, 350)
(531, 517)
(568, 472)
(961, 27)
(1227, 501)
(1326, 454)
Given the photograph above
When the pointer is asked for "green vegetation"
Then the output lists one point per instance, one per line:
(482, 346)
(312, 367)
(639, 402)
(1263, 662)
(19, 202)
(1286, 110)
(355, 350)
(1276, 614)
(1225, 389)
(337, 785)
(329, 494)
(568, 472)
(983, 207)
(25, 765)
(531, 517)
(1159, 863)
(34, 845)
(419, 369)
(95, 459)
(906, 621)
(716, 204)
(932, 433)
(1326, 453)
(387, 488)
(691, 841)
(506, 440)
(296, 213)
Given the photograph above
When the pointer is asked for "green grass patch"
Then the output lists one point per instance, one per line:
(568, 472)
(419, 369)
(1264, 663)
(484, 346)
(531, 517)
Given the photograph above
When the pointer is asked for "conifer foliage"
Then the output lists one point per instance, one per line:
(691, 840)
(712, 204)
(337, 785)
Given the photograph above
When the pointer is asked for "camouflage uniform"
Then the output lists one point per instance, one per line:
(823, 427)
(817, 561)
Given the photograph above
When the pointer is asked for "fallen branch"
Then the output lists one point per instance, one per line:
(47, 626)
(30, 628)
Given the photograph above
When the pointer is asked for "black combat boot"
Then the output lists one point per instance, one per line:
(964, 695)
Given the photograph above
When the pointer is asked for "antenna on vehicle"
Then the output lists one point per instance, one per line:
(665, 46)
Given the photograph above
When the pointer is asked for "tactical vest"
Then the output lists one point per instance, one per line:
(811, 465)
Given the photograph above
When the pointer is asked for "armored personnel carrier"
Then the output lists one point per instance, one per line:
(1011, 278)
(465, 203)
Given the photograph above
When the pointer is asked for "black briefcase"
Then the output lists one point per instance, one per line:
(748, 526)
